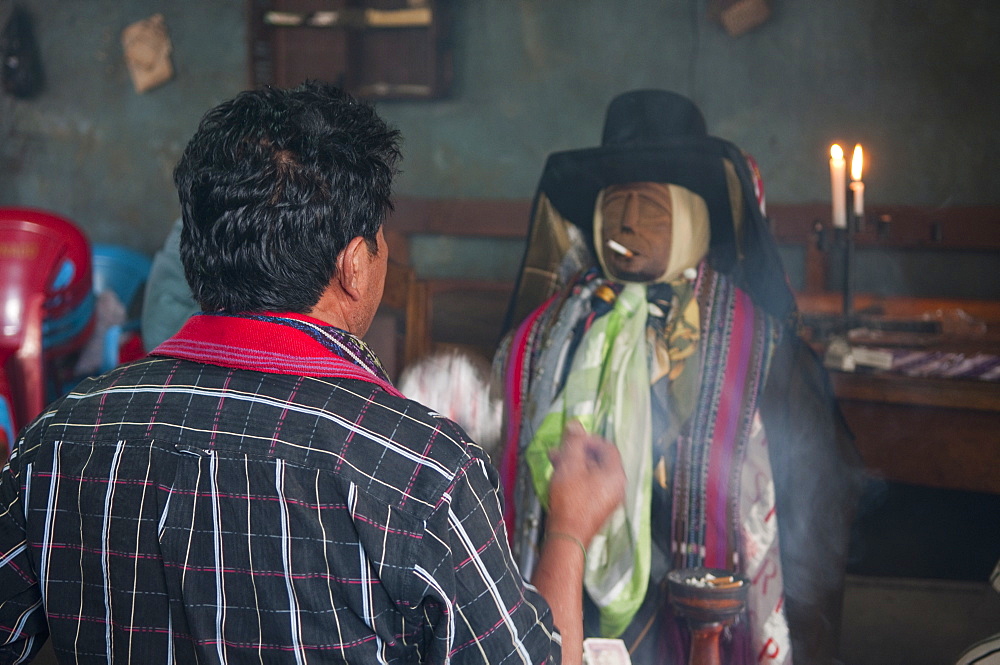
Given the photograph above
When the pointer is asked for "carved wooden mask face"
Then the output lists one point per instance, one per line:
(636, 231)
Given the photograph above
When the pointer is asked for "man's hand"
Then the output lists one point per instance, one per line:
(587, 484)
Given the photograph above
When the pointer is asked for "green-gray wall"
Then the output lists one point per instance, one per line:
(914, 81)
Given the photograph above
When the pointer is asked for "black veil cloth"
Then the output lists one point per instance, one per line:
(660, 136)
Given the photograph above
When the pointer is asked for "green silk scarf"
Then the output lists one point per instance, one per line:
(607, 390)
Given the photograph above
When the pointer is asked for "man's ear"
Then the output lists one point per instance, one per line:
(350, 267)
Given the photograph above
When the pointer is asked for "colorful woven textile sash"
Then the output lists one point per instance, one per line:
(515, 391)
(723, 498)
(736, 350)
(277, 343)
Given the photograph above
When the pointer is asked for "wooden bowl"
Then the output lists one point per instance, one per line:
(707, 595)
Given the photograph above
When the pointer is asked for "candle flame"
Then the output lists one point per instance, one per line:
(836, 152)
(856, 163)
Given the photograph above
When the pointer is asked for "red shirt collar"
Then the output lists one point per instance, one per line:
(278, 343)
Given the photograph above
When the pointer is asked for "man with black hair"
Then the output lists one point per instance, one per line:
(256, 490)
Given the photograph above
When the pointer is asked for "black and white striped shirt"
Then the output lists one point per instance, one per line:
(176, 511)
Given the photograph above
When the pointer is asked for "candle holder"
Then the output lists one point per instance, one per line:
(839, 332)
(846, 240)
(837, 246)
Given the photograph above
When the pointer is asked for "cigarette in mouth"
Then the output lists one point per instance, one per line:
(620, 248)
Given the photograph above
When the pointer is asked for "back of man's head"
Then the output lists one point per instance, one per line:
(273, 186)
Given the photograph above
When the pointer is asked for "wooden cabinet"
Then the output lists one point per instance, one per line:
(375, 49)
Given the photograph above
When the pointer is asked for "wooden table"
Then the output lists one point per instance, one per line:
(933, 432)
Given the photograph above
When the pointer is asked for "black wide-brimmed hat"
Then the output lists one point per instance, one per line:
(660, 136)
(649, 136)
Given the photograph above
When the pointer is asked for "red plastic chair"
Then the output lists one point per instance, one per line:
(46, 307)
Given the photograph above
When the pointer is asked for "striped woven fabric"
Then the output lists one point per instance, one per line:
(203, 510)
(941, 364)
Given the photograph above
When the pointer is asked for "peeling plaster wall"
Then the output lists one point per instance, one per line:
(92, 149)
(915, 81)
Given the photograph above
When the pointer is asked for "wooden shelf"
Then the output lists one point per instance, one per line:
(388, 49)
(918, 391)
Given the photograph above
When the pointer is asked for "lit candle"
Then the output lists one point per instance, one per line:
(838, 184)
(858, 187)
